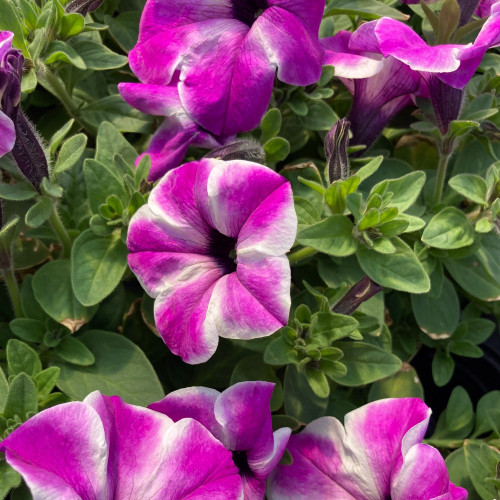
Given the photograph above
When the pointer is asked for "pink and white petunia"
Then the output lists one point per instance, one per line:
(376, 455)
(445, 69)
(226, 54)
(104, 449)
(178, 131)
(240, 418)
(381, 87)
(210, 248)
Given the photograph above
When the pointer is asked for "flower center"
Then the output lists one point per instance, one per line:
(241, 461)
(223, 249)
(247, 11)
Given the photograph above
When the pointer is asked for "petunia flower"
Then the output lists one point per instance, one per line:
(103, 448)
(376, 455)
(226, 53)
(381, 87)
(210, 247)
(445, 69)
(10, 93)
(171, 141)
(240, 418)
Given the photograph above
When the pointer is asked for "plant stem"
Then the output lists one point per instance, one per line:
(13, 289)
(444, 158)
(301, 254)
(60, 230)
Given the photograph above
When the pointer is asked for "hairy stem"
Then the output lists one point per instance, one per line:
(60, 230)
(444, 158)
(13, 289)
(301, 254)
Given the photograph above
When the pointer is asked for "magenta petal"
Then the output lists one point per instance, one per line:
(7, 134)
(423, 475)
(349, 63)
(61, 453)
(152, 99)
(6, 38)
(309, 12)
(228, 192)
(226, 83)
(234, 313)
(291, 45)
(192, 402)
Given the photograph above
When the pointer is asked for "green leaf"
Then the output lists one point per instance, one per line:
(50, 189)
(366, 9)
(17, 192)
(39, 212)
(449, 229)
(270, 125)
(120, 368)
(97, 56)
(482, 461)
(307, 215)
(46, 381)
(370, 168)
(331, 326)
(437, 316)
(442, 367)
(404, 384)
(277, 149)
(30, 305)
(332, 369)
(58, 137)
(457, 421)
(111, 142)
(484, 411)
(471, 275)
(405, 190)
(71, 25)
(60, 303)
(317, 382)
(101, 182)
(278, 352)
(124, 28)
(97, 266)
(366, 363)
(400, 270)
(332, 236)
(252, 368)
(61, 51)
(75, 352)
(10, 21)
(319, 117)
(477, 330)
(4, 390)
(70, 152)
(300, 401)
(22, 358)
(459, 475)
(22, 398)
(31, 330)
(9, 478)
(471, 186)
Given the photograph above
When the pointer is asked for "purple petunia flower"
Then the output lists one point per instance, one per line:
(226, 53)
(106, 449)
(240, 418)
(376, 455)
(10, 90)
(445, 69)
(210, 247)
(171, 141)
(381, 87)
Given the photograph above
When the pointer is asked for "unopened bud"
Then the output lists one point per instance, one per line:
(83, 7)
(359, 293)
(245, 149)
(336, 143)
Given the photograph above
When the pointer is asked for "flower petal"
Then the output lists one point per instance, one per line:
(228, 192)
(155, 458)
(234, 313)
(349, 63)
(61, 453)
(158, 100)
(272, 226)
(6, 38)
(180, 313)
(268, 280)
(309, 11)
(290, 45)
(192, 402)
(7, 134)
(423, 475)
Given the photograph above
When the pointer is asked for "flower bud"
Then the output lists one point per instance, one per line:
(336, 143)
(359, 293)
(246, 149)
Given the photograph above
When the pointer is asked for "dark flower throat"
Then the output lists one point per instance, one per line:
(247, 11)
(223, 249)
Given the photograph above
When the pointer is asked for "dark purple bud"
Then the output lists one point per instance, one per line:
(359, 293)
(83, 7)
(467, 8)
(245, 149)
(28, 152)
(336, 144)
(447, 102)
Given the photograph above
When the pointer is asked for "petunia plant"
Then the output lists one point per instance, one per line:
(249, 249)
